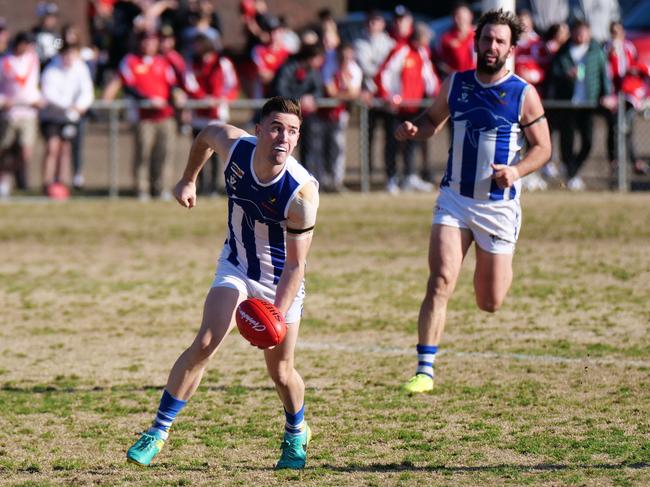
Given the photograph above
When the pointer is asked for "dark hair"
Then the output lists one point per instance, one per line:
(69, 46)
(309, 51)
(552, 31)
(146, 34)
(458, 5)
(325, 14)
(282, 104)
(205, 43)
(269, 23)
(344, 45)
(23, 37)
(579, 23)
(501, 17)
(615, 22)
(373, 13)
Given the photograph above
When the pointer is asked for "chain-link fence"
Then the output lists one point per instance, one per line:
(108, 146)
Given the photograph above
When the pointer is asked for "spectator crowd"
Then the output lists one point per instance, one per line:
(163, 53)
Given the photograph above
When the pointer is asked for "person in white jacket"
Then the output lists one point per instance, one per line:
(67, 89)
(20, 98)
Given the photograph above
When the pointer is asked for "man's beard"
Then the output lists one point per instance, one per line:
(483, 66)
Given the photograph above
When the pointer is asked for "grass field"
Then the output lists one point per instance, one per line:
(98, 298)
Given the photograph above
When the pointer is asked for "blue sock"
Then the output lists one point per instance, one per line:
(426, 357)
(295, 423)
(167, 410)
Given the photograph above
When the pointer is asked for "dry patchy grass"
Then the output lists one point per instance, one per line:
(98, 298)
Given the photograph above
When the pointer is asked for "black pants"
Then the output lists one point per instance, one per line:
(208, 180)
(77, 146)
(311, 142)
(612, 138)
(377, 118)
(393, 147)
(570, 122)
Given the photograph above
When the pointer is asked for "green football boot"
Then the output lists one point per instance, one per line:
(294, 450)
(146, 448)
(418, 383)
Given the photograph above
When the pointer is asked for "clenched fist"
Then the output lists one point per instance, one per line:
(185, 193)
(406, 130)
(504, 176)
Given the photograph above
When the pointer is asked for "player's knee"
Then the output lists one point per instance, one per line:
(202, 350)
(440, 286)
(281, 373)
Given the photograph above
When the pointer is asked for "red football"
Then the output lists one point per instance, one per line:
(260, 323)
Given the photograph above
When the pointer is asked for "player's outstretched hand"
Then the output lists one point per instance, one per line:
(406, 130)
(504, 176)
(185, 193)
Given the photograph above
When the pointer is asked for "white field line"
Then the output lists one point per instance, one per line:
(386, 351)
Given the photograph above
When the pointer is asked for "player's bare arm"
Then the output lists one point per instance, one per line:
(301, 219)
(535, 127)
(217, 138)
(430, 122)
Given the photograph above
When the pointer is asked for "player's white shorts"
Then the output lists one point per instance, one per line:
(228, 275)
(494, 224)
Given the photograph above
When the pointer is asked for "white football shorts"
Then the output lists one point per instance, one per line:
(228, 275)
(494, 225)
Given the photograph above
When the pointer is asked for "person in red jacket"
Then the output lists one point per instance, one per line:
(342, 82)
(630, 77)
(529, 52)
(213, 78)
(402, 28)
(176, 60)
(406, 78)
(148, 77)
(268, 57)
(456, 47)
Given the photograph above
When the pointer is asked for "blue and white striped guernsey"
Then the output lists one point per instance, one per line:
(485, 129)
(257, 212)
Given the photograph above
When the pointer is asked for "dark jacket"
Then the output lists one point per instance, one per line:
(295, 79)
(561, 85)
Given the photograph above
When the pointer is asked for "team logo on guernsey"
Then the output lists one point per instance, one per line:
(269, 204)
(237, 170)
(141, 68)
(232, 181)
(480, 120)
(465, 90)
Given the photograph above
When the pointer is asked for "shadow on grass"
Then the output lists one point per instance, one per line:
(542, 467)
(41, 389)
(500, 468)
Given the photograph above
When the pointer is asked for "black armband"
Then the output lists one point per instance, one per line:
(538, 119)
(298, 231)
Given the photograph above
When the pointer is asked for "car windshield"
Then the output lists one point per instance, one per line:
(638, 18)
(351, 26)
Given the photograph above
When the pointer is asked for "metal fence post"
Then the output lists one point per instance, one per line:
(621, 152)
(364, 147)
(113, 171)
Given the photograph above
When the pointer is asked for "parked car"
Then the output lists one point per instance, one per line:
(352, 24)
